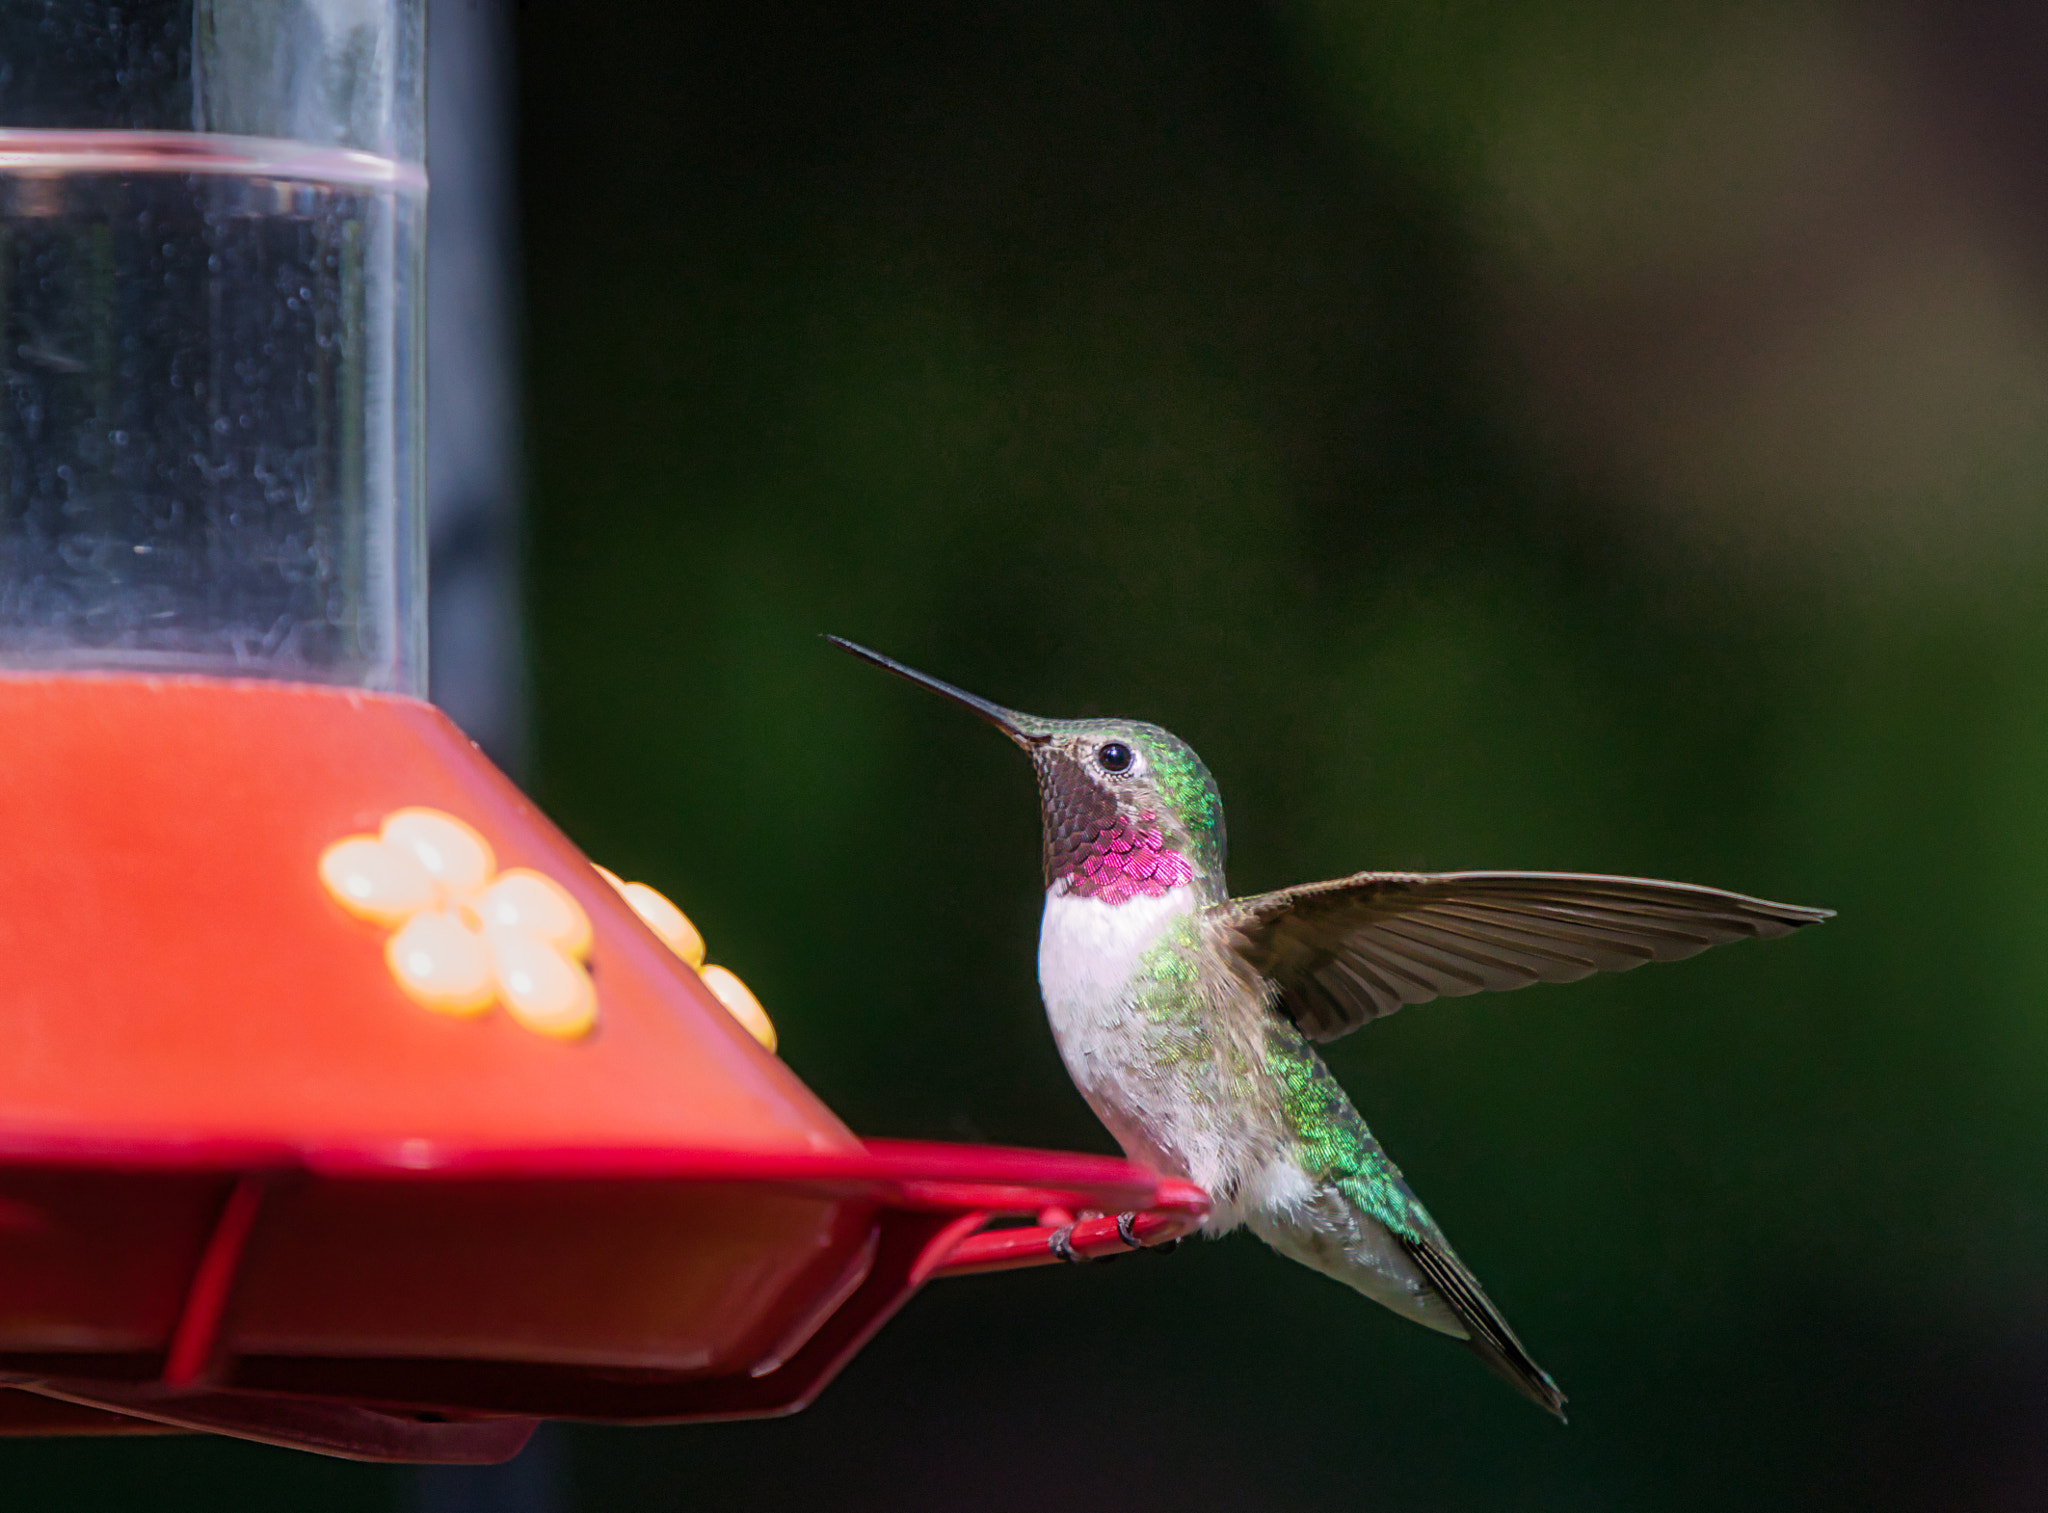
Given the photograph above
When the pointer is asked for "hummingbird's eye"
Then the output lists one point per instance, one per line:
(1114, 756)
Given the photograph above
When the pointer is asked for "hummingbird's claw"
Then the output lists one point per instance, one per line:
(1127, 1231)
(1061, 1243)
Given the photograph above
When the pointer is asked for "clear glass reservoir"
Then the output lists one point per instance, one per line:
(212, 219)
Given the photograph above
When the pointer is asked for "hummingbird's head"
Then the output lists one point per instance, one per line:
(1129, 808)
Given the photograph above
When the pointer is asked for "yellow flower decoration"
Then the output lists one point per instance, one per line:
(682, 937)
(467, 935)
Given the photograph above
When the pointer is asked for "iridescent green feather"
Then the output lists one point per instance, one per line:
(1190, 793)
(1335, 1146)
(1168, 994)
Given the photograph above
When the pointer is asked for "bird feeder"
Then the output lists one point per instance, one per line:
(343, 1103)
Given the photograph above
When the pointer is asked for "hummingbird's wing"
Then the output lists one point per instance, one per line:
(1349, 950)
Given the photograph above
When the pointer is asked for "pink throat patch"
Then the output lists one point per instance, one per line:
(1124, 863)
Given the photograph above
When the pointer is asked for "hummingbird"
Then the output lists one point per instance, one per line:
(1188, 1019)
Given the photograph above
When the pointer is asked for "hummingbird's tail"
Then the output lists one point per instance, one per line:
(1367, 1231)
(1486, 1332)
(1336, 1202)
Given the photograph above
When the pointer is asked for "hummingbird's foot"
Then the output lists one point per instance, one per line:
(1061, 1243)
(1126, 1231)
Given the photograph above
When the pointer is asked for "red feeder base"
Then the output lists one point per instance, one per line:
(248, 1185)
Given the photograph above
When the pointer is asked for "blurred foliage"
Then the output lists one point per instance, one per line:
(1164, 360)
(1228, 366)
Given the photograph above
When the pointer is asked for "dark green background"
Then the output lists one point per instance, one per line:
(1166, 360)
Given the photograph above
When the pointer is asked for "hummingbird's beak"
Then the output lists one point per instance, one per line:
(1008, 721)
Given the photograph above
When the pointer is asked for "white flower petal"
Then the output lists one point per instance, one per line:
(441, 964)
(544, 989)
(454, 855)
(740, 1002)
(375, 881)
(667, 921)
(532, 903)
(663, 918)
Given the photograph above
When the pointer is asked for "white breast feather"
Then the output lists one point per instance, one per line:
(1088, 954)
(1088, 950)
